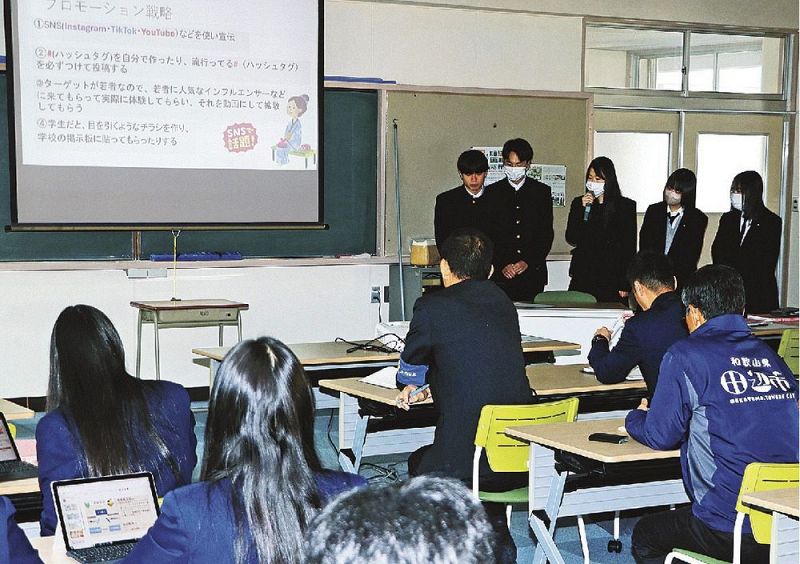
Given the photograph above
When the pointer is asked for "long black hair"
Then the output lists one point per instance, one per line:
(107, 406)
(260, 436)
(684, 181)
(604, 168)
(751, 185)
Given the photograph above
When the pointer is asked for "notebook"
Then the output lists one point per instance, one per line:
(102, 518)
(12, 466)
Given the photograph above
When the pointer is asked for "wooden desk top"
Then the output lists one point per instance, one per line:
(771, 329)
(166, 305)
(15, 411)
(28, 485)
(356, 388)
(311, 354)
(784, 500)
(551, 379)
(574, 438)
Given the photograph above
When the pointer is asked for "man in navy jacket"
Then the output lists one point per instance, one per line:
(648, 334)
(726, 399)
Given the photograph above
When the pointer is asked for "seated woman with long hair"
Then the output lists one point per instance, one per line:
(101, 420)
(261, 480)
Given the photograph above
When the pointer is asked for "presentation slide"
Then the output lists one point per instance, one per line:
(177, 112)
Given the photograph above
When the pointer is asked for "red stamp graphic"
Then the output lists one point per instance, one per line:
(240, 137)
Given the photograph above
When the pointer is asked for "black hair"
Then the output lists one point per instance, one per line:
(751, 185)
(604, 168)
(260, 436)
(472, 162)
(652, 270)
(715, 289)
(468, 253)
(425, 519)
(519, 146)
(301, 102)
(684, 181)
(89, 384)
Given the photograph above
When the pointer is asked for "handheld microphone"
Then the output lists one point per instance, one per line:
(586, 211)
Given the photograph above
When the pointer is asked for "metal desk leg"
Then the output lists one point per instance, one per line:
(239, 323)
(220, 333)
(158, 357)
(213, 366)
(546, 546)
(139, 345)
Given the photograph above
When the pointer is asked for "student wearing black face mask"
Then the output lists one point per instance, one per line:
(675, 226)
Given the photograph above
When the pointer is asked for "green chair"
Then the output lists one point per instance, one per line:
(562, 297)
(758, 477)
(787, 350)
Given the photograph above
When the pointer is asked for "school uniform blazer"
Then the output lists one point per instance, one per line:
(61, 456)
(684, 253)
(755, 259)
(14, 545)
(644, 340)
(197, 524)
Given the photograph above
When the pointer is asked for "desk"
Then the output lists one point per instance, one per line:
(545, 478)
(15, 411)
(185, 313)
(785, 506)
(772, 329)
(13, 487)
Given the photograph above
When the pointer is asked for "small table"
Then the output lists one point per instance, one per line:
(785, 506)
(15, 411)
(185, 313)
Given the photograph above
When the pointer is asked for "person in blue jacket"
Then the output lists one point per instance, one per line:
(14, 545)
(261, 481)
(648, 334)
(726, 399)
(101, 420)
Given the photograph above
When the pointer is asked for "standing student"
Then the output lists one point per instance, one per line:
(261, 481)
(527, 218)
(675, 226)
(602, 228)
(101, 420)
(749, 240)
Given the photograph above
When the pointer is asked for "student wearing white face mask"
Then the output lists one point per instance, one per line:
(526, 225)
(749, 240)
(675, 226)
(602, 228)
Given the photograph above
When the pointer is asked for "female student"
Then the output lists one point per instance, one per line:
(675, 226)
(749, 240)
(261, 479)
(602, 228)
(101, 420)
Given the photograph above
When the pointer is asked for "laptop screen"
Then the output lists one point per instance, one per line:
(7, 450)
(105, 510)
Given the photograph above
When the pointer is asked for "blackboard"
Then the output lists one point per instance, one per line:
(350, 132)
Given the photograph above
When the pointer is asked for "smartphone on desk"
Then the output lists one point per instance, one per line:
(608, 438)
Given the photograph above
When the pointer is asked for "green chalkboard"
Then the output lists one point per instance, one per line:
(350, 200)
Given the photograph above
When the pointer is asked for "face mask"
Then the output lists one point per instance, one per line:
(514, 173)
(736, 201)
(672, 198)
(596, 188)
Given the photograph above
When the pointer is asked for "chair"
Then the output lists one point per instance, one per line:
(12, 429)
(787, 350)
(506, 454)
(758, 477)
(561, 297)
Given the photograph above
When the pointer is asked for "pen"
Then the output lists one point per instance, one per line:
(419, 390)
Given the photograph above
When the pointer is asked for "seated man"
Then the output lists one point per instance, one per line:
(425, 519)
(647, 335)
(726, 399)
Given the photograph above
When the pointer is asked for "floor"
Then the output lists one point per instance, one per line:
(389, 468)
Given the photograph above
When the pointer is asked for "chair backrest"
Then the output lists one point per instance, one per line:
(761, 477)
(558, 297)
(13, 430)
(506, 454)
(788, 349)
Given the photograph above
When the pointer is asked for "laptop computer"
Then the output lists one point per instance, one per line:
(12, 467)
(103, 518)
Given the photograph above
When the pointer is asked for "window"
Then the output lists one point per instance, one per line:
(736, 63)
(720, 158)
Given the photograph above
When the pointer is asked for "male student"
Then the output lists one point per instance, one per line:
(465, 342)
(526, 218)
(726, 399)
(648, 334)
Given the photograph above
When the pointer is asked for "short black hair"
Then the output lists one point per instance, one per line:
(472, 161)
(425, 519)
(684, 181)
(468, 253)
(519, 146)
(651, 269)
(715, 290)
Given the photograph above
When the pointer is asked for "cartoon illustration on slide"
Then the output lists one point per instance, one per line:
(291, 144)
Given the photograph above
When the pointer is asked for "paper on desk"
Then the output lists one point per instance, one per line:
(385, 378)
(533, 339)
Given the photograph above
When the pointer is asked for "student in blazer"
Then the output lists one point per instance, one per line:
(675, 226)
(101, 420)
(261, 480)
(749, 240)
(14, 545)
